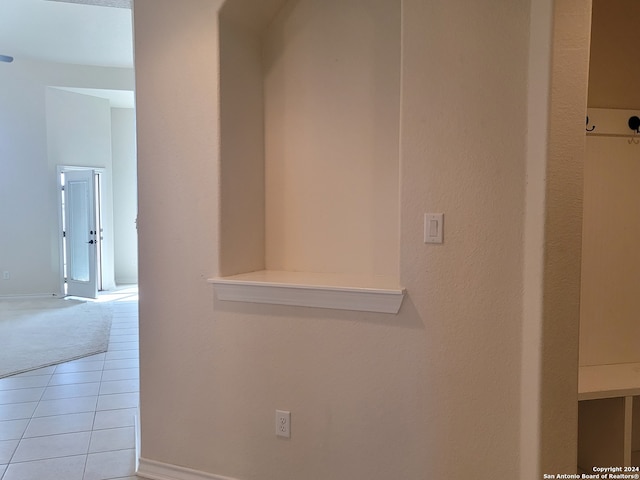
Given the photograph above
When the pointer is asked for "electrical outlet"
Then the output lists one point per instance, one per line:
(6, 275)
(283, 424)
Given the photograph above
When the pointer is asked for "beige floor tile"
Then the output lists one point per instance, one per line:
(13, 429)
(7, 448)
(112, 439)
(63, 406)
(21, 395)
(121, 374)
(53, 446)
(70, 391)
(65, 468)
(55, 425)
(15, 382)
(16, 411)
(79, 377)
(107, 465)
(120, 364)
(118, 401)
(120, 386)
(115, 418)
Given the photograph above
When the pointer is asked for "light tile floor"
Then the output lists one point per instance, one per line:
(75, 421)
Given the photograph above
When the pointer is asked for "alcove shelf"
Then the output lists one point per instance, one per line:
(309, 153)
(322, 290)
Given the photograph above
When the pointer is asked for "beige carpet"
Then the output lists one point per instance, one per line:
(36, 333)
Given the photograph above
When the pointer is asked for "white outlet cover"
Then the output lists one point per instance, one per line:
(283, 423)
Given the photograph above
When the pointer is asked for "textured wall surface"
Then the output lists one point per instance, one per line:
(125, 194)
(563, 235)
(332, 103)
(609, 326)
(434, 392)
(613, 69)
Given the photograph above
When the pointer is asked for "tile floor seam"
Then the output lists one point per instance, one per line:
(25, 430)
(84, 467)
(56, 434)
(50, 458)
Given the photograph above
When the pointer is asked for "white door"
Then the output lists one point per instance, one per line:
(81, 235)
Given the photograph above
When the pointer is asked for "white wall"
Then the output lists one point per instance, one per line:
(177, 124)
(332, 106)
(28, 198)
(242, 237)
(463, 153)
(613, 73)
(609, 325)
(434, 392)
(28, 214)
(125, 195)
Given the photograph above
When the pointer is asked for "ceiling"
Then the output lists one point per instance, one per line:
(82, 32)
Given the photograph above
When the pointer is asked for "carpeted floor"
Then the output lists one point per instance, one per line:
(39, 332)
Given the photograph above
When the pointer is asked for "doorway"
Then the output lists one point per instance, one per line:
(81, 231)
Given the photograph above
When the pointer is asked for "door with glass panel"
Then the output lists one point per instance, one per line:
(81, 233)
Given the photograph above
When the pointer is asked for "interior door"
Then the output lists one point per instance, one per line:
(81, 235)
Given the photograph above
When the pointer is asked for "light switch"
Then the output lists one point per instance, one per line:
(433, 227)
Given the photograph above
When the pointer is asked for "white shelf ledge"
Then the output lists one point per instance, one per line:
(608, 381)
(337, 291)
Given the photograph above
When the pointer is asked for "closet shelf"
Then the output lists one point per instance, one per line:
(609, 381)
(338, 291)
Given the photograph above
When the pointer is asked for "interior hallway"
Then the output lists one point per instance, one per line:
(75, 420)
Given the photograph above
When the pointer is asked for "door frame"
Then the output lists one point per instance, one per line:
(100, 171)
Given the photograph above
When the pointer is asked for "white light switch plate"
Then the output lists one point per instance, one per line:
(433, 227)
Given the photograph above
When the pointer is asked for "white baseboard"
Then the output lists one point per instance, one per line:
(136, 429)
(30, 296)
(154, 470)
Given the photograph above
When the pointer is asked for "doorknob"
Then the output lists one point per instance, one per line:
(90, 241)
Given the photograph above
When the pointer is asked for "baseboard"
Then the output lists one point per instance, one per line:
(136, 429)
(30, 296)
(154, 470)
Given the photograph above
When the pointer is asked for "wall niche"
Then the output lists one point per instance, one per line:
(309, 138)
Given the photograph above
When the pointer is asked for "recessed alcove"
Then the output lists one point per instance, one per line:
(309, 148)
